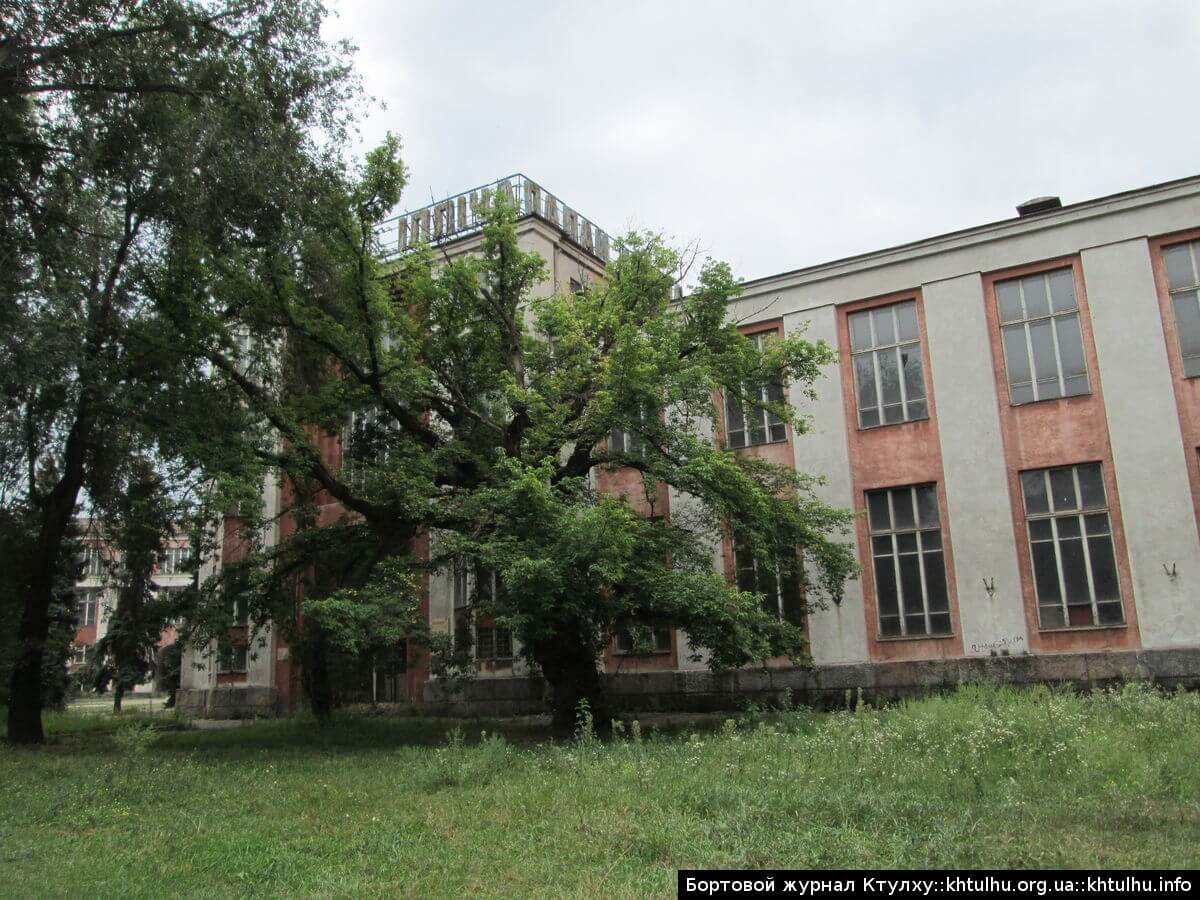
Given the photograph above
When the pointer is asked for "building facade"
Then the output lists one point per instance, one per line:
(1016, 415)
(96, 591)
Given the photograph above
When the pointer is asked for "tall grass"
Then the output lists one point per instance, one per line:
(986, 776)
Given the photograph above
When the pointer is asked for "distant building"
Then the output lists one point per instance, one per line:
(1015, 413)
(96, 591)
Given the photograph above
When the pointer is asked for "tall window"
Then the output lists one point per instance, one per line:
(174, 559)
(1043, 344)
(622, 440)
(660, 641)
(780, 583)
(1070, 541)
(231, 659)
(886, 345)
(93, 562)
(909, 565)
(493, 643)
(745, 428)
(1182, 262)
(87, 607)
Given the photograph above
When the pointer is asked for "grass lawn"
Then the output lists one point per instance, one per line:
(987, 777)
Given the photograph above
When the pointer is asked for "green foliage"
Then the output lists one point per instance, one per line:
(480, 411)
(985, 778)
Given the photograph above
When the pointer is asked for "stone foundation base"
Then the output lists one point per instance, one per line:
(826, 686)
(228, 703)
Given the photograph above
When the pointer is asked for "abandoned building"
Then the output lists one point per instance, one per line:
(1015, 413)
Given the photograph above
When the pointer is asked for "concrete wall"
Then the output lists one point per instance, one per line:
(829, 686)
(1148, 454)
(973, 462)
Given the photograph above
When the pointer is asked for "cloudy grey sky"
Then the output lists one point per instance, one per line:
(784, 134)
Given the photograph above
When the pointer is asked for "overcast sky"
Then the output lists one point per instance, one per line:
(783, 134)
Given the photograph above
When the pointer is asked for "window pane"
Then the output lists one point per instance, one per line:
(1051, 616)
(885, 587)
(1104, 569)
(910, 362)
(864, 377)
(906, 316)
(1062, 290)
(733, 413)
(1062, 489)
(1021, 393)
(869, 418)
(885, 328)
(1036, 302)
(1045, 366)
(1040, 530)
(931, 540)
(915, 623)
(1110, 613)
(860, 331)
(893, 414)
(1033, 485)
(1008, 299)
(939, 623)
(1045, 574)
(889, 626)
(1096, 523)
(889, 376)
(1074, 572)
(1178, 261)
(935, 582)
(1070, 344)
(877, 505)
(1068, 527)
(927, 505)
(910, 584)
(1091, 485)
(902, 508)
(917, 409)
(617, 441)
(906, 542)
(1016, 355)
(1187, 322)
(758, 432)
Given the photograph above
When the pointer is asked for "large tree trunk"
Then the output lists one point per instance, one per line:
(314, 675)
(118, 696)
(57, 508)
(569, 667)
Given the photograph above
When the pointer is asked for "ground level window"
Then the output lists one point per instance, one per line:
(493, 643)
(660, 641)
(1071, 546)
(908, 561)
(231, 659)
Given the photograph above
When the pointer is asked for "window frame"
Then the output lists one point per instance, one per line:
(1174, 295)
(875, 350)
(777, 597)
(1080, 514)
(87, 607)
(661, 648)
(770, 423)
(494, 631)
(228, 657)
(893, 533)
(1052, 316)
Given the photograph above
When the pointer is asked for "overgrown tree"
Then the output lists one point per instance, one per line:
(479, 411)
(126, 128)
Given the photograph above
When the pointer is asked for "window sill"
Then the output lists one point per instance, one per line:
(915, 637)
(782, 440)
(1071, 629)
(1048, 400)
(892, 424)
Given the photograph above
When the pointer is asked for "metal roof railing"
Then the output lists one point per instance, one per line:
(462, 215)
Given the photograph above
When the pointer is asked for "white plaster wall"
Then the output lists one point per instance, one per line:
(1148, 452)
(977, 498)
(838, 633)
